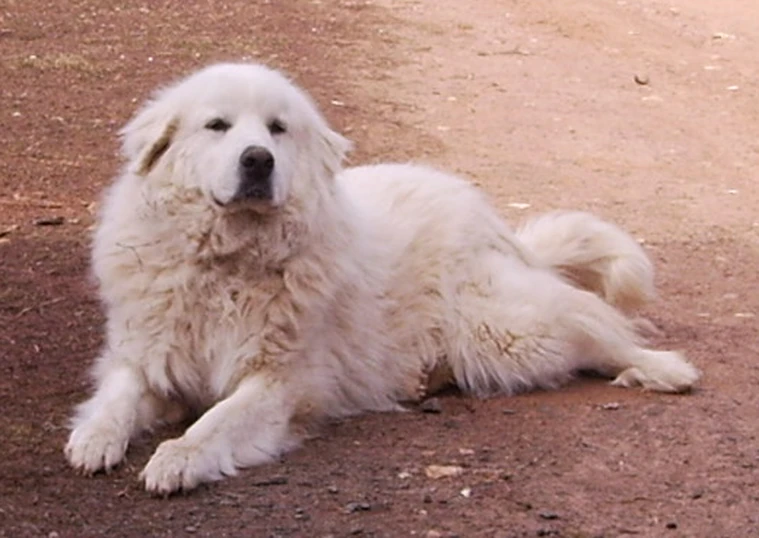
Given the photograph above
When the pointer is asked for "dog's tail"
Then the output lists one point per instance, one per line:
(593, 254)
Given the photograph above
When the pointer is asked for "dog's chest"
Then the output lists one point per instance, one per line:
(215, 337)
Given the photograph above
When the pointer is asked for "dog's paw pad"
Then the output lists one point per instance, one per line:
(96, 447)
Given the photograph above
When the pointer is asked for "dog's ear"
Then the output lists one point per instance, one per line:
(334, 148)
(148, 135)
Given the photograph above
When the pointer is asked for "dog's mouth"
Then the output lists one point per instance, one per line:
(237, 205)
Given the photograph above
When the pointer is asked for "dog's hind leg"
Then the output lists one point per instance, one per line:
(520, 327)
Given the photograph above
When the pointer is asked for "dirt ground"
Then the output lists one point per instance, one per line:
(643, 111)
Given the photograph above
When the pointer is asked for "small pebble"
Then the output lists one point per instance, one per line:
(671, 525)
(641, 79)
(351, 508)
(431, 405)
(549, 515)
(49, 221)
(273, 481)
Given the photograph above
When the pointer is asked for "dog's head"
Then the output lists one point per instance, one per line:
(241, 134)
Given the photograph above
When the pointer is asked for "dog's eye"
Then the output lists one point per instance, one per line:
(218, 124)
(276, 127)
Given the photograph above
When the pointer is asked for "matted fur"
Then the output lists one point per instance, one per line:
(346, 292)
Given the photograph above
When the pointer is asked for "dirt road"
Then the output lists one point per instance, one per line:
(645, 112)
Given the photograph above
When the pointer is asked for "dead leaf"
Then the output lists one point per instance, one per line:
(443, 471)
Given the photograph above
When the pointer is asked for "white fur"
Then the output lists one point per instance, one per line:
(346, 292)
(593, 254)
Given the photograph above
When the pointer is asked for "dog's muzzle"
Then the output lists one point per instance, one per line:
(256, 167)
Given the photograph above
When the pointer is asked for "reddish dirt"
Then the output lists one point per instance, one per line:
(537, 102)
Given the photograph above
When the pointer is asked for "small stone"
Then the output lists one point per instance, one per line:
(509, 411)
(611, 406)
(273, 481)
(8, 230)
(191, 529)
(641, 79)
(351, 508)
(49, 221)
(466, 492)
(549, 515)
(431, 405)
(332, 489)
(671, 525)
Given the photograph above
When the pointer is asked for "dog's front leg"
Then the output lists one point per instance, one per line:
(249, 427)
(103, 425)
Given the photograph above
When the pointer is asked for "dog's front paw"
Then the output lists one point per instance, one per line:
(179, 465)
(96, 446)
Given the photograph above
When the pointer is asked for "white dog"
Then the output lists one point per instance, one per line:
(249, 280)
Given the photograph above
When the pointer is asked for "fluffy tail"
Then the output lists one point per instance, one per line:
(593, 254)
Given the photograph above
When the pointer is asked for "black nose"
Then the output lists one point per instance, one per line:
(256, 166)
